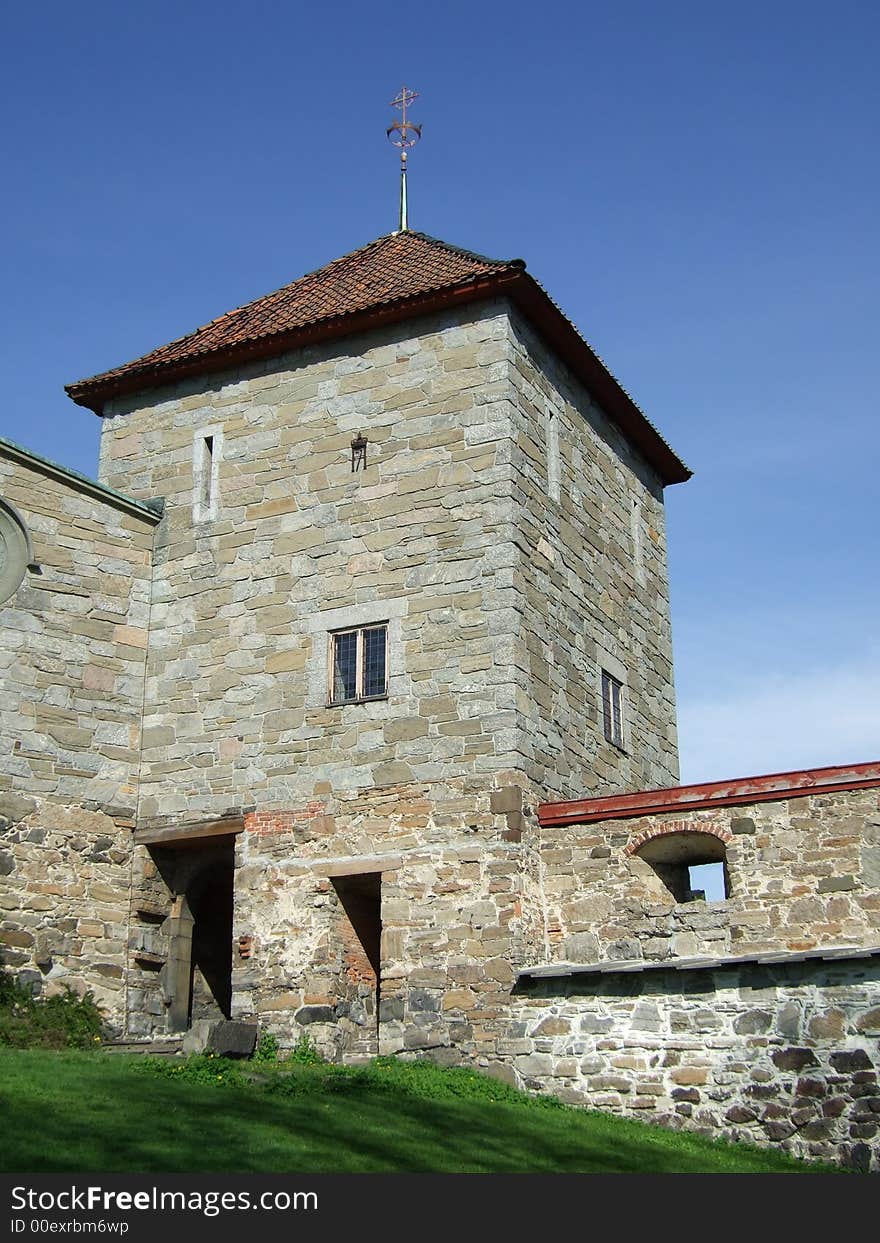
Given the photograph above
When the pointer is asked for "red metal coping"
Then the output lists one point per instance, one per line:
(772, 786)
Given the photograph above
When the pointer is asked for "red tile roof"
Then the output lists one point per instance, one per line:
(390, 279)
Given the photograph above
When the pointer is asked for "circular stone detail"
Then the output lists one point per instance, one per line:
(13, 553)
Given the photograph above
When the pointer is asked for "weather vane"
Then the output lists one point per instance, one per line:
(405, 135)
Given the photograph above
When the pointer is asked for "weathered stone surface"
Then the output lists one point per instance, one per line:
(752, 1022)
(314, 1014)
(222, 1037)
(793, 1059)
(740, 1114)
(871, 866)
(836, 884)
(389, 851)
(850, 1060)
(869, 1022)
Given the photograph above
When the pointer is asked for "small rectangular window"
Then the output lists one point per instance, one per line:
(359, 664)
(612, 709)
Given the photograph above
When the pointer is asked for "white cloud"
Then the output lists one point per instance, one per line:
(809, 719)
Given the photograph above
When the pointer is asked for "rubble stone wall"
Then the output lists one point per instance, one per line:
(451, 925)
(777, 1054)
(804, 871)
(64, 900)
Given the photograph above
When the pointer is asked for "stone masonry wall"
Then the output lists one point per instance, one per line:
(779, 1054)
(444, 535)
(236, 707)
(451, 926)
(803, 872)
(591, 572)
(73, 644)
(64, 900)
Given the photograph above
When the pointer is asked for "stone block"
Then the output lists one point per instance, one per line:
(507, 799)
(793, 1059)
(315, 1014)
(836, 884)
(850, 1059)
(223, 1037)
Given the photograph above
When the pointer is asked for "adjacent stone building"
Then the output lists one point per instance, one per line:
(322, 709)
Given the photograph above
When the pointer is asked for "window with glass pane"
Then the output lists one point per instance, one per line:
(374, 660)
(345, 666)
(612, 714)
(360, 664)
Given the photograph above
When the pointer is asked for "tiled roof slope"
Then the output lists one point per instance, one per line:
(390, 279)
(391, 269)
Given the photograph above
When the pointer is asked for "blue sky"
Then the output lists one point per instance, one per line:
(695, 184)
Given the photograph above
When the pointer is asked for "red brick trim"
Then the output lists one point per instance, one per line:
(677, 826)
(263, 823)
(770, 788)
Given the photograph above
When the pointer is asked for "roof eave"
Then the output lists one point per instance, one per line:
(94, 393)
(558, 332)
(561, 335)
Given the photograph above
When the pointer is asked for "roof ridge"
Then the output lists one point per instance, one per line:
(468, 254)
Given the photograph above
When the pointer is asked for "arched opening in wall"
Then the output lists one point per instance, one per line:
(692, 866)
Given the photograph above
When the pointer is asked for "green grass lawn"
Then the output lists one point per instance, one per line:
(94, 1111)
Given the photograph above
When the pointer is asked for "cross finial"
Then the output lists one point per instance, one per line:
(405, 135)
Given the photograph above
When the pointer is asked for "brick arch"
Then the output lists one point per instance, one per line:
(677, 826)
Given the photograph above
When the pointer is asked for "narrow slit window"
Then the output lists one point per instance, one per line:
(612, 709)
(207, 472)
(207, 453)
(554, 468)
(359, 664)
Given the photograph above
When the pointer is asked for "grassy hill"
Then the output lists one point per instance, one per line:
(93, 1111)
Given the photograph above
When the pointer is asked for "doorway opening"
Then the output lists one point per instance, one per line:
(210, 902)
(359, 928)
(197, 976)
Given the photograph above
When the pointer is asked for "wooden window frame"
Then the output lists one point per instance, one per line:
(359, 697)
(612, 709)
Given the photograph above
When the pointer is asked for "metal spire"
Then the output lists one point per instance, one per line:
(405, 135)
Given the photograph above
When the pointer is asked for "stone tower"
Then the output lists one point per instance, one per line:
(504, 522)
(410, 578)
